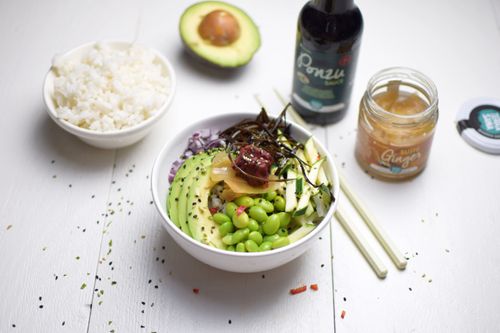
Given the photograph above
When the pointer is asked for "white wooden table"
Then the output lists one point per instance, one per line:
(82, 248)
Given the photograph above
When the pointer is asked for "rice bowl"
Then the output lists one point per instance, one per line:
(120, 119)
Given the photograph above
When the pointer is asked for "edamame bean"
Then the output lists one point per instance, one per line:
(282, 232)
(231, 209)
(251, 246)
(241, 220)
(279, 203)
(221, 218)
(239, 236)
(256, 237)
(253, 225)
(258, 213)
(266, 246)
(284, 219)
(230, 248)
(280, 242)
(270, 195)
(266, 205)
(246, 232)
(271, 225)
(226, 228)
(270, 238)
(228, 239)
(240, 247)
(244, 201)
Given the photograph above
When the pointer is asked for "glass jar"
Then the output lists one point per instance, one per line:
(397, 118)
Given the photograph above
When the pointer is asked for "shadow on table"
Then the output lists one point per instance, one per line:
(68, 150)
(199, 66)
(224, 293)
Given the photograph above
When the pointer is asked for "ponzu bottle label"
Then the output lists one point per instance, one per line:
(323, 80)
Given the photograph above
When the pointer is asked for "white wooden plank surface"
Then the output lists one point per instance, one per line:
(496, 11)
(45, 224)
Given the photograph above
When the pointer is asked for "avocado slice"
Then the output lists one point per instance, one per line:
(182, 203)
(201, 224)
(176, 187)
(219, 33)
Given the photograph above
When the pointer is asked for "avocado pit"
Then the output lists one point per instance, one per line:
(219, 28)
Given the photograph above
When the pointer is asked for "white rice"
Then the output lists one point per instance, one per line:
(109, 89)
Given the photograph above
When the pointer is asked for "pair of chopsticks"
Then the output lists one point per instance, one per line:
(388, 245)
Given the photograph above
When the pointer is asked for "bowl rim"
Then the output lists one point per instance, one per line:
(334, 175)
(50, 105)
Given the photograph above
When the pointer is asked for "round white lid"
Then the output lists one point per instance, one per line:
(478, 122)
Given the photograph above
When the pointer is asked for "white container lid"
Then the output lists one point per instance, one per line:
(478, 122)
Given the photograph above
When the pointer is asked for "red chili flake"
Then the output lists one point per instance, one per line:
(240, 210)
(213, 210)
(318, 157)
(342, 315)
(298, 290)
(314, 287)
(196, 290)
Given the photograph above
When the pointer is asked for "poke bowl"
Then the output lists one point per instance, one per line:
(245, 206)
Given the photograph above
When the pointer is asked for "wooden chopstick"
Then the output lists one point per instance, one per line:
(390, 248)
(296, 117)
(388, 245)
(360, 241)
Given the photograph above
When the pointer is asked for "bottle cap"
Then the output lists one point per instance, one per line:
(478, 122)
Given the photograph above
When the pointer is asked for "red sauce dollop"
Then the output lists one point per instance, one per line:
(254, 161)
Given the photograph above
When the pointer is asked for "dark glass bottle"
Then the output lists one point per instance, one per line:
(328, 42)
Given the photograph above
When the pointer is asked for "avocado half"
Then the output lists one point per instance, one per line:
(219, 33)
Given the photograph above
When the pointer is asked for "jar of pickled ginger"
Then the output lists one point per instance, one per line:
(397, 119)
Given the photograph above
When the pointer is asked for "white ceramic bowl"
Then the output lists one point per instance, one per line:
(112, 139)
(231, 261)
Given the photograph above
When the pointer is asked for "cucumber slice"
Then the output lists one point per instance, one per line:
(300, 212)
(301, 232)
(299, 185)
(313, 174)
(303, 219)
(313, 157)
(309, 209)
(322, 178)
(291, 199)
(320, 205)
(300, 154)
(285, 168)
(284, 141)
(311, 152)
(303, 202)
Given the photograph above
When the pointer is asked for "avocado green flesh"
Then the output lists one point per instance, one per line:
(182, 204)
(187, 202)
(236, 54)
(200, 221)
(176, 187)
